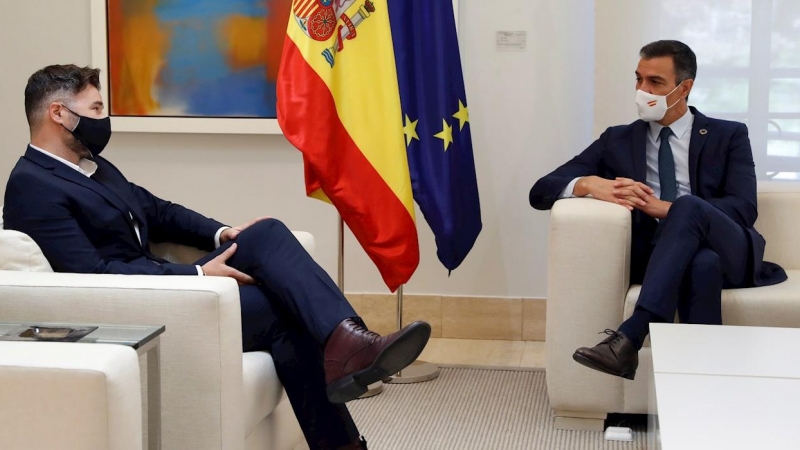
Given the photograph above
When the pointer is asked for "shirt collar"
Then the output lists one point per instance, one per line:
(84, 166)
(678, 127)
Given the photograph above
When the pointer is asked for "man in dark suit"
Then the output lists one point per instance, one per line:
(690, 184)
(87, 218)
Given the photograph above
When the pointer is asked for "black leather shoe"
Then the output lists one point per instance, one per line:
(616, 355)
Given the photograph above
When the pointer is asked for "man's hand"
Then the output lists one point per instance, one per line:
(651, 205)
(623, 191)
(597, 187)
(614, 191)
(217, 268)
(232, 233)
(625, 188)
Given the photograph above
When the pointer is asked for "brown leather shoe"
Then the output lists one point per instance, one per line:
(356, 357)
(616, 355)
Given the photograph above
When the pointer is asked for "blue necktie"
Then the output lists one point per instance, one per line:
(666, 167)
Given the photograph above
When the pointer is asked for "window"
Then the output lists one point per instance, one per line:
(748, 55)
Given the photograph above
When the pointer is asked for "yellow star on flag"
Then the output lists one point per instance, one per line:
(462, 115)
(410, 130)
(446, 135)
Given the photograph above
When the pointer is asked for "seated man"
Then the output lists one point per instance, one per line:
(87, 218)
(690, 184)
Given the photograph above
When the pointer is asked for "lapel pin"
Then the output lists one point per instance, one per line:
(703, 131)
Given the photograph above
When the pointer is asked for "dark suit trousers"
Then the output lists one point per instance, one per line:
(269, 252)
(699, 250)
(290, 313)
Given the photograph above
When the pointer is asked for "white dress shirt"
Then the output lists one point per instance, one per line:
(679, 141)
(84, 166)
(88, 167)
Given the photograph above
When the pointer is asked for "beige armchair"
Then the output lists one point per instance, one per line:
(69, 396)
(213, 396)
(588, 290)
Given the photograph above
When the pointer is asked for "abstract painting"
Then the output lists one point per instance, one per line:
(194, 58)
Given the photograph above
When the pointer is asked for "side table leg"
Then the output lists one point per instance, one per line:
(154, 397)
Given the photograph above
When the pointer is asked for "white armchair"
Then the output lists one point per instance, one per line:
(69, 396)
(213, 396)
(588, 290)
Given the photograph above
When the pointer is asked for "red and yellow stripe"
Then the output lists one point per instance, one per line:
(304, 8)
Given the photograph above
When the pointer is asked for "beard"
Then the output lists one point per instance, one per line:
(75, 145)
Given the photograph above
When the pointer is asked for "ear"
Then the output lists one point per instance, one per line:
(686, 87)
(57, 113)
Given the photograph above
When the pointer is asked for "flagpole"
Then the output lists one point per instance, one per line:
(418, 371)
(376, 387)
(340, 281)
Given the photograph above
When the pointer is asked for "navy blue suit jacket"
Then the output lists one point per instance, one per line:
(721, 172)
(83, 224)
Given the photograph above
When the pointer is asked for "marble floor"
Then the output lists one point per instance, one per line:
(488, 353)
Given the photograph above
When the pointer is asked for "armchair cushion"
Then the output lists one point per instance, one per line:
(765, 306)
(20, 253)
(263, 391)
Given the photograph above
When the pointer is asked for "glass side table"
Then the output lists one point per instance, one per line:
(143, 339)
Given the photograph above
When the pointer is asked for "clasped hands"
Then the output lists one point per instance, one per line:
(623, 191)
(218, 266)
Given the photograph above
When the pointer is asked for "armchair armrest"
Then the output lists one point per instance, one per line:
(588, 277)
(201, 349)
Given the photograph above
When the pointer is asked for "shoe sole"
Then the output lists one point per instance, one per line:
(580, 359)
(402, 352)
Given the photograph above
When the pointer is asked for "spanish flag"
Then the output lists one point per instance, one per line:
(339, 104)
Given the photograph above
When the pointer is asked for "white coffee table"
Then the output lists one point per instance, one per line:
(726, 387)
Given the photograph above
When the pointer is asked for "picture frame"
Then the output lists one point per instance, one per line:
(162, 124)
(204, 125)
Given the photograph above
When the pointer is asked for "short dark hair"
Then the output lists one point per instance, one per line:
(683, 57)
(56, 82)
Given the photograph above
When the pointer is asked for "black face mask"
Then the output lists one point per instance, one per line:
(94, 134)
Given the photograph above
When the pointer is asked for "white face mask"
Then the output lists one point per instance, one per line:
(653, 108)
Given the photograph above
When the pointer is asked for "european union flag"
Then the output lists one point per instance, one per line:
(436, 123)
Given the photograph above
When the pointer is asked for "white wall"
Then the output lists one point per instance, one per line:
(530, 111)
(619, 35)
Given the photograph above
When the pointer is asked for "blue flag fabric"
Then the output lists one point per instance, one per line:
(436, 123)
